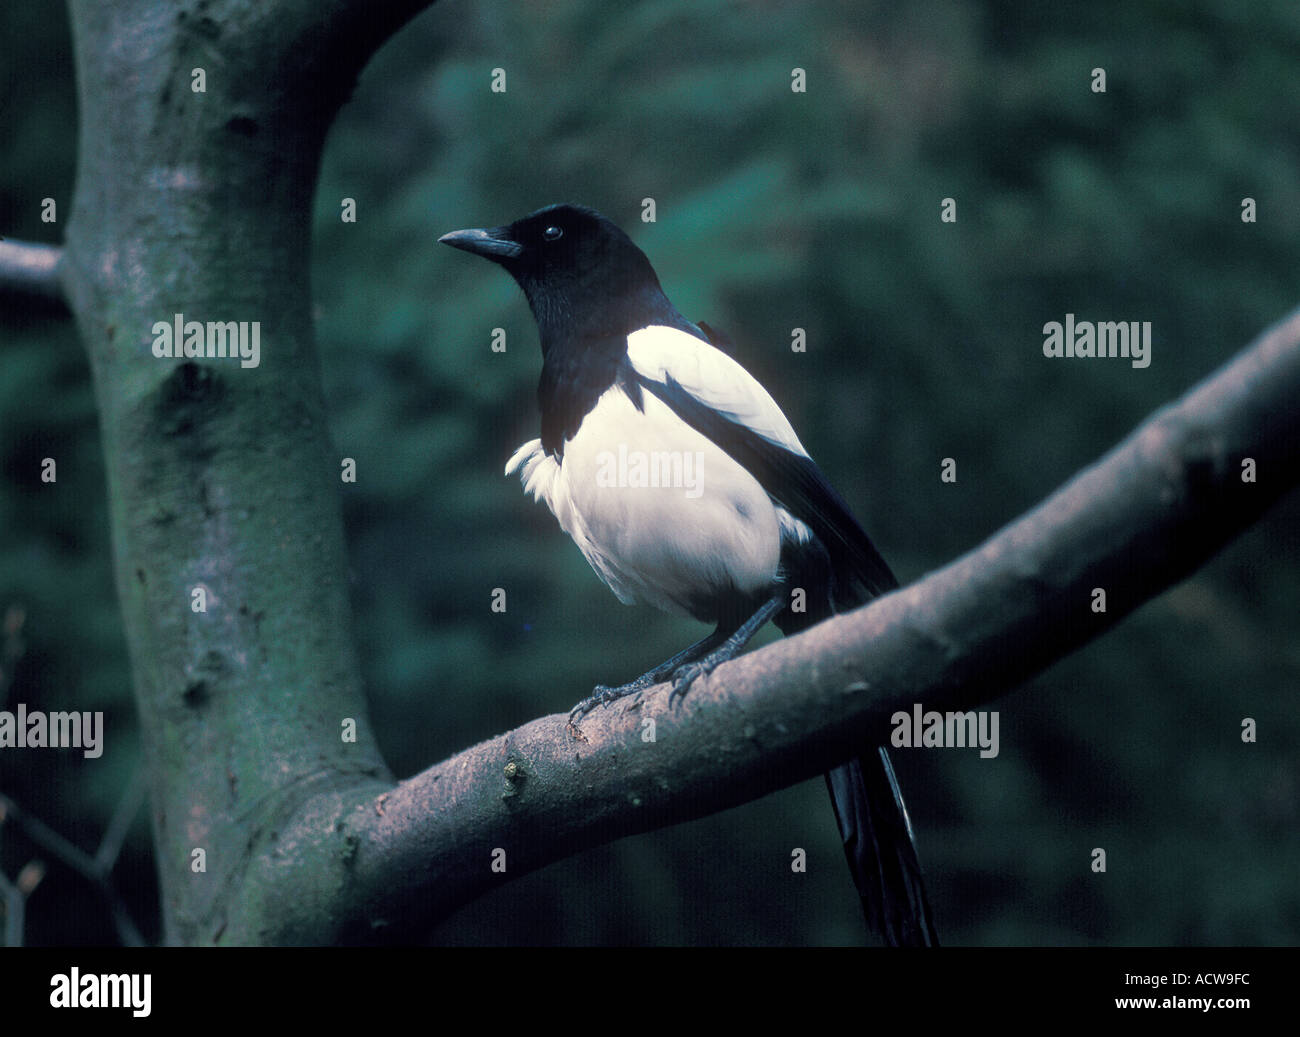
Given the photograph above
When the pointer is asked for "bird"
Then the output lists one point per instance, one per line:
(684, 485)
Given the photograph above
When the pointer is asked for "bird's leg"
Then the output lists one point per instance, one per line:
(687, 674)
(603, 694)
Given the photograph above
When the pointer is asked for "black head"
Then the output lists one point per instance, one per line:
(581, 274)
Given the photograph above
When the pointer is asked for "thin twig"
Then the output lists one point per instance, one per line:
(128, 805)
(13, 901)
(79, 861)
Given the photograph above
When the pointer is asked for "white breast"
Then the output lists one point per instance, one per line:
(663, 515)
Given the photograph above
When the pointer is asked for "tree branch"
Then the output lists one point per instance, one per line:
(72, 856)
(32, 271)
(1147, 514)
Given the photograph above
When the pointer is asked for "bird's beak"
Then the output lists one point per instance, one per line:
(494, 243)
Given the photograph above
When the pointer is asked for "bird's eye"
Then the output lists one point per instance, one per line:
(552, 233)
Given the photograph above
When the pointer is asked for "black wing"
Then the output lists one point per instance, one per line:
(797, 482)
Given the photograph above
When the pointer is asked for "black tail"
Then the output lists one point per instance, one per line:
(881, 850)
(869, 807)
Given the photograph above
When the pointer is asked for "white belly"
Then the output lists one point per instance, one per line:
(662, 514)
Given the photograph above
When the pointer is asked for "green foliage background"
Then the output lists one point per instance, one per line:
(775, 210)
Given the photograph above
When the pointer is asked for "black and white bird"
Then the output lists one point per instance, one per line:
(686, 488)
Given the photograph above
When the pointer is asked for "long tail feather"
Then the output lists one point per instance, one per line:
(881, 850)
(877, 833)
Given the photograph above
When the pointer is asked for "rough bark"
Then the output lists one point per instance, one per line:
(221, 477)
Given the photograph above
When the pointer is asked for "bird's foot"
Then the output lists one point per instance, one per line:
(688, 675)
(603, 695)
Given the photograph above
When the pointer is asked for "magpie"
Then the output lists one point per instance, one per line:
(686, 488)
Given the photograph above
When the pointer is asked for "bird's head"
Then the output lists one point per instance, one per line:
(578, 270)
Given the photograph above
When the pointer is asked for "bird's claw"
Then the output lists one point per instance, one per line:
(684, 678)
(604, 694)
(601, 695)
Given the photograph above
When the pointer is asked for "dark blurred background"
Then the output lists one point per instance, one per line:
(775, 210)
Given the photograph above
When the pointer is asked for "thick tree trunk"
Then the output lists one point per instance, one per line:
(221, 477)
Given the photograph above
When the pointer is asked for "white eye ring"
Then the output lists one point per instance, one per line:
(552, 233)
